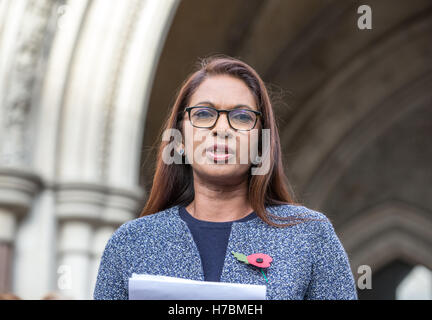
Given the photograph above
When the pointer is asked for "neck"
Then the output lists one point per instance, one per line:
(219, 202)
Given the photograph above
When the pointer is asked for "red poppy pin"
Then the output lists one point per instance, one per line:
(260, 260)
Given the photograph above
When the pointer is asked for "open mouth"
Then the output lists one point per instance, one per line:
(219, 152)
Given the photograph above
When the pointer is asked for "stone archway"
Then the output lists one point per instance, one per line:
(359, 103)
(387, 231)
(390, 238)
(75, 77)
(74, 101)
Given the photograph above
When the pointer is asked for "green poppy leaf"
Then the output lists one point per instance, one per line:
(241, 257)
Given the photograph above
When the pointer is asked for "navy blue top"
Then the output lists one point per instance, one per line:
(211, 239)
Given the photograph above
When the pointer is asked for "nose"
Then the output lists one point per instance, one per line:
(222, 125)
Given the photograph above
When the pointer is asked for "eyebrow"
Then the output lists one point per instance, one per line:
(237, 106)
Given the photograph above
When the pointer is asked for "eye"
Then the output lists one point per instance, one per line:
(244, 116)
(203, 113)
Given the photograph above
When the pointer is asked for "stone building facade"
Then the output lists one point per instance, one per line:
(85, 86)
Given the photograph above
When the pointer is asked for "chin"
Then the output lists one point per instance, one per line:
(224, 170)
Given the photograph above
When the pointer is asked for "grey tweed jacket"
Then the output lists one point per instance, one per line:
(309, 261)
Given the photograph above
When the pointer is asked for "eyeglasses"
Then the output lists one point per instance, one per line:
(238, 119)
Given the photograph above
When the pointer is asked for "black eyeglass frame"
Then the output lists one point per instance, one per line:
(189, 109)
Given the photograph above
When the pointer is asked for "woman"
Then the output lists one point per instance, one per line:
(212, 216)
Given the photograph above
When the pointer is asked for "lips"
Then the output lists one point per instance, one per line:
(220, 149)
(219, 152)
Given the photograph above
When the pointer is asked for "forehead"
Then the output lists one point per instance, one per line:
(224, 92)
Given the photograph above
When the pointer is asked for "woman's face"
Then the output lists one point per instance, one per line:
(221, 153)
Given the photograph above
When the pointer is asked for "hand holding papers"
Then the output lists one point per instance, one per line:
(154, 287)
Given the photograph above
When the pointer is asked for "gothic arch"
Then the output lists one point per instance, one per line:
(376, 78)
(388, 231)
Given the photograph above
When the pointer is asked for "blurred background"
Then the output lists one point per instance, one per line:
(86, 84)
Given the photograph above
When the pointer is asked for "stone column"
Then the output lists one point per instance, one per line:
(78, 207)
(7, 227)
(88, 214)
(17, 190)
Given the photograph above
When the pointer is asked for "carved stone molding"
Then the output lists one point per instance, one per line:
(117, 65)
(23, 74)
(96, 204)
(18, 189)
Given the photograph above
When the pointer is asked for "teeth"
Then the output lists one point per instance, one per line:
(219, 152)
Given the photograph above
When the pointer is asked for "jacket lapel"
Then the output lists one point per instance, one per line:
(185, 248)
(242, 240)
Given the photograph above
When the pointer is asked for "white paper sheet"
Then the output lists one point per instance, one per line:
(154, 287)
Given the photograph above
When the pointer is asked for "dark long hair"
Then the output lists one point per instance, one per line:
(173, 183)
